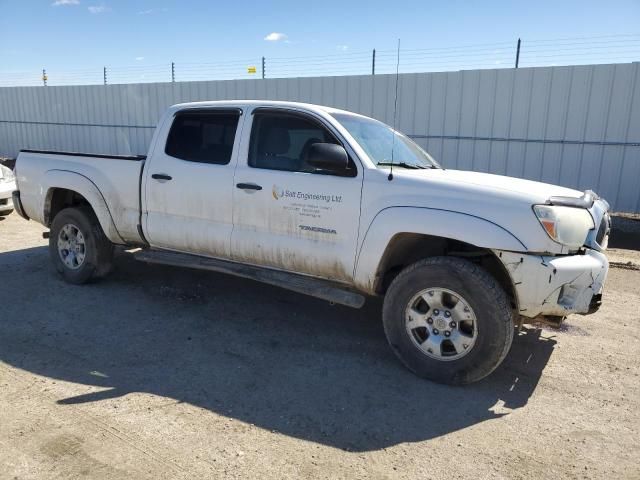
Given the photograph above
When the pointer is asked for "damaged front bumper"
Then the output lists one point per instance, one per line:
(556, 285)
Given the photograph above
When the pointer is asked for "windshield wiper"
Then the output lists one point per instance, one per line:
(402, 164)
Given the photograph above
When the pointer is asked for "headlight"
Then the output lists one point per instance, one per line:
(6, 175)
(566, 225)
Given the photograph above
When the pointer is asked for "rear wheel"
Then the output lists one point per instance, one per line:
(448, 320)
(78, 247)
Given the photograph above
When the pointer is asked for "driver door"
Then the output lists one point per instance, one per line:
(288, 215)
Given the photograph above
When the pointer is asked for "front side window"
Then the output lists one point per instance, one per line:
(283, 141)
(204, 137)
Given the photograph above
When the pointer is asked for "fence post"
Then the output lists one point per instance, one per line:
(263, 68)
(173, 72)
(373, 62)
(44, 77)
(518, 54)
(104, 75)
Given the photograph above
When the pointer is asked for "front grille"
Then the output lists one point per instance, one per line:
(603, 231)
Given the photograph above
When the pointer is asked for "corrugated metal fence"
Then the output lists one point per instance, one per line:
(575, 126)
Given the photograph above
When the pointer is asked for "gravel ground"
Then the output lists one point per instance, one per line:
(160, 372)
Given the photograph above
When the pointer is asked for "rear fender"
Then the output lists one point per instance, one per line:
(82, 185)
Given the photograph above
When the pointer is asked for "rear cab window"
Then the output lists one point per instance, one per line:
(203, 136)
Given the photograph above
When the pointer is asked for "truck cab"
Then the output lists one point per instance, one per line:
(242, 188)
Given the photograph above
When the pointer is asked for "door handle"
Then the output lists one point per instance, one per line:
(248, 186)
(161, 176)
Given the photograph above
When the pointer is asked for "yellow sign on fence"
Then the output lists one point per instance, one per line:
(251, 69)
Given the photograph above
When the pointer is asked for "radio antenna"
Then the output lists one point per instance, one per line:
(395, 112)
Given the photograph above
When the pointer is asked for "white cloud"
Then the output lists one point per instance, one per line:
(342, 48)
(95, 9)
(58, 3)
(152, 10)
(139, 59)
(275, 37)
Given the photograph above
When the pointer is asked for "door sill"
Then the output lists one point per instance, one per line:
(315, 287)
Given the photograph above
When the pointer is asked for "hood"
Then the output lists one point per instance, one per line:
(440, 187)
(538, 191)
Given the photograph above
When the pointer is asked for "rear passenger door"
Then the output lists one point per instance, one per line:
(287, 214)
(188, 182)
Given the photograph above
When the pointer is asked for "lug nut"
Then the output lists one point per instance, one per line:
(435, 331)
(429, 320)
(447, 333)
(447, 313)
(436, 312)
(452, 324)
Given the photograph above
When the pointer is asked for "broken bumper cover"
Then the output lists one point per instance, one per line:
(557, 285)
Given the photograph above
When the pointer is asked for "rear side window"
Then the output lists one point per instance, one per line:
(204, 137)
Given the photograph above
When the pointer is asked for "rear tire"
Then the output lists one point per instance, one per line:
(78, 247)
(448, 320)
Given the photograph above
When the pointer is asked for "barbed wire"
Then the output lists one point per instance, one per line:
(535, 52)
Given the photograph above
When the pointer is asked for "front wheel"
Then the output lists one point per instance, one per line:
(78, 247)
(448, 320)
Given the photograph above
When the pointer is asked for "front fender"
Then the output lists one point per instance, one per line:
(84, 186)
(428, 221)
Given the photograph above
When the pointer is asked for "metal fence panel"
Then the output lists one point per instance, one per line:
(577, 126)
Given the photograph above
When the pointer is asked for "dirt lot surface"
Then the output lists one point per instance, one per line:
(159, 372)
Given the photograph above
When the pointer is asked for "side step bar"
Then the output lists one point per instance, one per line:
(323, 289)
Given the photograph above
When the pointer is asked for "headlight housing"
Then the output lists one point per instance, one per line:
(6, 175)
(566, 225)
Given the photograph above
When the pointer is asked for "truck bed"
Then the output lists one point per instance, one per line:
(90, 155)
(114, 179)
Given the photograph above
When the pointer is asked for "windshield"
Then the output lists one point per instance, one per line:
(376, 139)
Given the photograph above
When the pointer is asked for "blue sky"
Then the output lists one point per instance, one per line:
(74, 35)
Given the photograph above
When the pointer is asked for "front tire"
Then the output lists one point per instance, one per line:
(448, 320)
(78, 247)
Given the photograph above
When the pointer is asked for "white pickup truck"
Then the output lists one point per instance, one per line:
(338, 206)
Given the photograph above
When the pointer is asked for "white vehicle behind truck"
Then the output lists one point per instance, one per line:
(7, 187)
(338, 206)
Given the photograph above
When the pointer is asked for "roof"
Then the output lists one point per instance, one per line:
(259, 103)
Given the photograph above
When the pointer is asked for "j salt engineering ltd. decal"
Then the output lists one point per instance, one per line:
(279, 192)
(311, 205)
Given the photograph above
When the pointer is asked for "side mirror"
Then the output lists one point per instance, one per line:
(327, 156)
